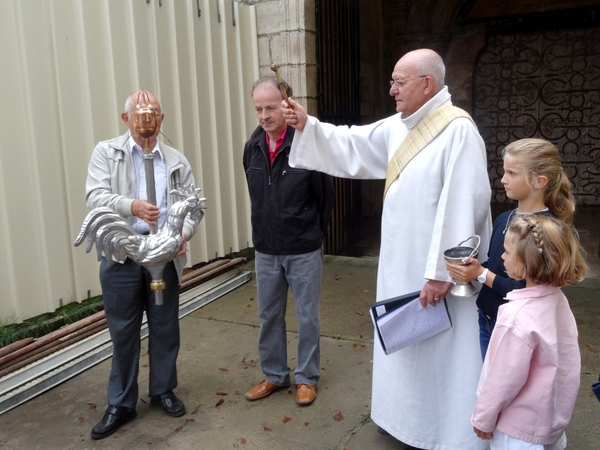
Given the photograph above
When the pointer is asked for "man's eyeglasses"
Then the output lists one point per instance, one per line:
(402, 83)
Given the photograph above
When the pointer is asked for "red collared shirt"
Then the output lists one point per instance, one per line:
(278, 143)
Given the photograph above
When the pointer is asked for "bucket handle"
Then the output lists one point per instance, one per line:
(474, 250)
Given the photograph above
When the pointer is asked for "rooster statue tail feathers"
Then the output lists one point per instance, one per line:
(116, 239)
(109, 231)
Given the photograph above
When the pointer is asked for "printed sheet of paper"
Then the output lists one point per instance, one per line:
(411, 323)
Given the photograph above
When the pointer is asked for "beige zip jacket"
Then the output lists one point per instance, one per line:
(111, 182)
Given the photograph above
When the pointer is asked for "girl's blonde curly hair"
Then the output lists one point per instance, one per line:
(549, 249)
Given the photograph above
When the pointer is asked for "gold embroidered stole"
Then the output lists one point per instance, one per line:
(419, 137)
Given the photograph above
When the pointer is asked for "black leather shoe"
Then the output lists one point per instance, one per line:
(114, 417)
(169, 403)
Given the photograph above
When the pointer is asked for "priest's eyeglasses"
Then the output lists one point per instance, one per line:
(402, 83)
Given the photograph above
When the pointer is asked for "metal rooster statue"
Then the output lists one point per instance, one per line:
(116, 240)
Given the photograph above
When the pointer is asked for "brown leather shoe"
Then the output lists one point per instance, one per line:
(305, 394)
(262, 390)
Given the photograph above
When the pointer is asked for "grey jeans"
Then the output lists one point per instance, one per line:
(302, 274)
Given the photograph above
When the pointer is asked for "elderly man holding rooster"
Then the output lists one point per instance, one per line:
(116, 179)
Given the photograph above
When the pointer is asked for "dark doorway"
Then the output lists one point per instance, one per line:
(338, 74)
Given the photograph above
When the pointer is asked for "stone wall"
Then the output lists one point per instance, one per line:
(287, 36)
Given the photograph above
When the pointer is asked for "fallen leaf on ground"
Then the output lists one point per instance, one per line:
(286, 419)
(266, 428)
(143, 401)
(242, 441)
(80, 419)
(338, 417)
(591, 349)
(222, 393)
(360, 313)
(223, 369)
(92, 406)
(195, 410)
(178, 429)
(220, 402)
(198, 313)
(305, 424)
(346, 447)
(238, 393)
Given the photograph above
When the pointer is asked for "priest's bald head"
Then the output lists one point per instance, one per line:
(417, 77)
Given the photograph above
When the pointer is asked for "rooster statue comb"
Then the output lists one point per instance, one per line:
(117, 240)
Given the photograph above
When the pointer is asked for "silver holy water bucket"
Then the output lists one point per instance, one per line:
(460, 254)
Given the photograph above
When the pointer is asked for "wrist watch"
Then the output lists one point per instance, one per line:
(483, 276)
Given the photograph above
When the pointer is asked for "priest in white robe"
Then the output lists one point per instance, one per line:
(424, 394)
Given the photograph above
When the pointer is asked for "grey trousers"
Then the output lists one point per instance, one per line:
(126, 293)
(302, 274)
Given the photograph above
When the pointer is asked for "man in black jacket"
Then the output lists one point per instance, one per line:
(290, 212)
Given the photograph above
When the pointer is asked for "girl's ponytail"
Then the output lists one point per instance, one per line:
(558, 197)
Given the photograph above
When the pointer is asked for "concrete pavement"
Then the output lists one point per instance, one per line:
(218, 364)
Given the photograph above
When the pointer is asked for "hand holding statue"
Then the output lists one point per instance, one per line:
(145, 211)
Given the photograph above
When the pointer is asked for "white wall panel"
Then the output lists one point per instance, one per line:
(248, 55)
(67, 68)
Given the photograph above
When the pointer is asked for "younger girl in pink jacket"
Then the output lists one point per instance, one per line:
(530, 376)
